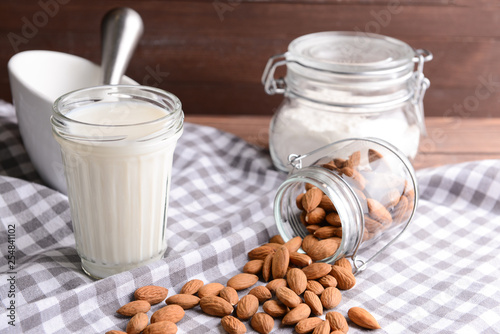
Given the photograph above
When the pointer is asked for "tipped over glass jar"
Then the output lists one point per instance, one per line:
(351, 195)
(342, 85)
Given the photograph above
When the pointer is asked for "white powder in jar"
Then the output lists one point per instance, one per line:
(300, 131)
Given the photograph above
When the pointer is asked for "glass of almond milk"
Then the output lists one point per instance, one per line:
(117, 145)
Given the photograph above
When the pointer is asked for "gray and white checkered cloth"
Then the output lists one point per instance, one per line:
(441, 276)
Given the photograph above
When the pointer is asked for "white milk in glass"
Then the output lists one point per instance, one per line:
(118, 168)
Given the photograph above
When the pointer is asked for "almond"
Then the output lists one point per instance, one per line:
(262, 323)
(262, 293)
(277, 239)
(303, 218)
(401, 210)
(191, 287)
(253, 267)
(326, 204)
(363, 318)
(313, 301)
(183, 300)
(330, 298)
(173, 313)
(232, 325)
(315, 287)
(242, 281)
(299, 259)
(391, 198)
(354, 178)
(378, 211)
(302, 311)
(267, 267)
(328, 281)
(308, 186)
(273, 245)
(114, 331)
(260, 253)
(374, 155)
(324, 249)
(247, 307)
(339, 162)
(323, 328)
(333, 219)
(288, 297)
(137, 323)
(275, 284)
(354, 160)
(316, 216)
(297, 280)
(343, 262)
(210, 289)
(298, 202)
(280, 263)
(230, 295)
(311, 199)
(326, 232)
(330, 165)
(337, 321)
(275, 308)
(132, 308)
(151, 293)
(317, 270)
(215, 306)
(307, 325)
(371, 225)
(308, 242)
(312, 228)
(293, 244)
(345, 278)
(162, 327)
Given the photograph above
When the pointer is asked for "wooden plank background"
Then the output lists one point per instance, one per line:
(212, 53)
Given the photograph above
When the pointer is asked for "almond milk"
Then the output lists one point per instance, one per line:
(118, 163)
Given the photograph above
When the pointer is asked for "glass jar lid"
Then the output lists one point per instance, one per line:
(351, 52)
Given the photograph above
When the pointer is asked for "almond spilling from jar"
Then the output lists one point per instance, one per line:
(215, 306)
(288, 297)
(210, 289)
(242, 281)
(262, 323)
(137, 324)
(134, 307)
(300, 312)
(183, 300)
(151, 293)
(247, 307)
(275, 308)
(307, 325)
(363, 318)
(173, 313)
(232, 325)
(192, 287)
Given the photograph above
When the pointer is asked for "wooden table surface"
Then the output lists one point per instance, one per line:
(449, 140)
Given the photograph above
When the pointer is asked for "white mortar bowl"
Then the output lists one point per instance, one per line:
(37, 79)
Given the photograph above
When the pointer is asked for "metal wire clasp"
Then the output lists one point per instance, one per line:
(421, 85)
(295, 160)
(271, 85)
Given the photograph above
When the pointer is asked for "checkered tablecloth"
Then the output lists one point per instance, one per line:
(442, 276)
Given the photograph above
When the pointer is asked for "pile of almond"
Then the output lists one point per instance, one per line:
(298, 291)
(386, 200)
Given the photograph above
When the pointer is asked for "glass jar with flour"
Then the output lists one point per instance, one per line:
(342, 85)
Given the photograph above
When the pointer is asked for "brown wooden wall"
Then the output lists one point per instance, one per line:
(214, 58)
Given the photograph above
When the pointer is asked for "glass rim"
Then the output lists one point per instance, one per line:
(176, 110)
